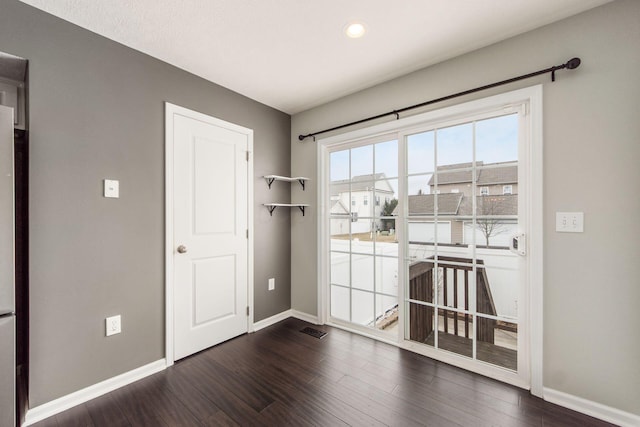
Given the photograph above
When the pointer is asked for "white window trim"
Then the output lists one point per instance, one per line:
(484, 191)
(504, 188)
(531, 97)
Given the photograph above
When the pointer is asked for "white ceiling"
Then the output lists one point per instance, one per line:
(293, 54)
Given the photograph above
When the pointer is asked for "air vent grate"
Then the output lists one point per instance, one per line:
(314, 332)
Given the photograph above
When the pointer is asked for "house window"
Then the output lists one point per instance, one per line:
(455, 190)
(365, 200)
(484, 191)
(353, 201)
(387, 199)
(507, 189)
(377, 200)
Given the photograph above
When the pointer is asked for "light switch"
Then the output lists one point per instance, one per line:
(570, 222)
(111, 188)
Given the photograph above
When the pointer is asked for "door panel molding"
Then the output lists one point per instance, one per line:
(171, 111)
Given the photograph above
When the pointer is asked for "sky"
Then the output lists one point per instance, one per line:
(496, 141)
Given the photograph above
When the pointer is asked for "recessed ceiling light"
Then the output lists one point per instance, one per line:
(355, 30)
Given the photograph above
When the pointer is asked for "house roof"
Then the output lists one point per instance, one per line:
(457, 204)
(486, 174)
(424, 204)
(507, 174)
(361, 183)
(337, 207)
(505, 205)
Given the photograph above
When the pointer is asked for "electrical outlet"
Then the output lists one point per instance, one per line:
(272, 284)
(113, 325)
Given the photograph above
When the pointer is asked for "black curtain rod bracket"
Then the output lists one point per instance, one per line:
(571, 64)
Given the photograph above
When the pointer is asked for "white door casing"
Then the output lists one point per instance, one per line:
(208, 250)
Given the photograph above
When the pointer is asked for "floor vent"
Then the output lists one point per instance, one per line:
(314, 332)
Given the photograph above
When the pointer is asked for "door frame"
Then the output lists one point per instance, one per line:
(532, 98)
(170, 111)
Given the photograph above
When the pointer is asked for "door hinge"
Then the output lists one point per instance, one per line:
(247, 233)
(247, 156)
(247, 311)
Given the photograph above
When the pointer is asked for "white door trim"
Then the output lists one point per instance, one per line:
(170, 111)
(531, 96)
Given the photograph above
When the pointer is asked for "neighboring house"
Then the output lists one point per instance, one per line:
(340, 217)
(365, 195)
(452, 186)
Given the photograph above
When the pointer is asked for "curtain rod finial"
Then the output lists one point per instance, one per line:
(573, 63)
(302, 137)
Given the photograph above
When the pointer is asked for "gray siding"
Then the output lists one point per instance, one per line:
(96, 111)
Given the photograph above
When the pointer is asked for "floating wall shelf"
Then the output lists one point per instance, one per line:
(271, 178)
(272, 206)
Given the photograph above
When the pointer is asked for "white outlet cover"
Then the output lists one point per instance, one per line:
(272, 284)
(113, 325)
(570, 222)
(111, 188)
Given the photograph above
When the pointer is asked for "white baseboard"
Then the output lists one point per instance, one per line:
(594, 409)
(63, 403)
(271, 320)
(282, 316)
(304, 316)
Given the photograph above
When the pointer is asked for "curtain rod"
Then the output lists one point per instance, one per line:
(571, 64)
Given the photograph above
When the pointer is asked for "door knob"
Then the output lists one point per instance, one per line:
(182, 249)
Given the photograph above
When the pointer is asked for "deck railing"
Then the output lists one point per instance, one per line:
(421, 288)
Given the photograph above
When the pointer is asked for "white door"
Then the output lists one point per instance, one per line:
(210, 230)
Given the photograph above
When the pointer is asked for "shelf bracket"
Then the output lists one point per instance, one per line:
(270, 181)
(271, 209)
(301, 181)
(301, 207)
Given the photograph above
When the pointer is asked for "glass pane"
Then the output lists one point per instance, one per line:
(362, 272)
(340, 302)
(387, 159)
(387, 274)
(419, 185)
(362, 243)
(362, 308)
(497, 139)
(421, 323)
(418, 251)
(493, 231)
(499, 347)
(387, 232)
(340, 269)
(455, 146)
(387, 313)
(498, 284)
(339, 165)
(385, 197)
(340, 233)
(340, 197)
(454, 281)
(421, 277)
(452, 330)
(420, 153)
(362, 162)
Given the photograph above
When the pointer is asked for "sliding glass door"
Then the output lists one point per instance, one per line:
(464, 276)
(362, 198)
(425, 235)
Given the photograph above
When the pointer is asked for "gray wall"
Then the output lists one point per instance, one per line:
(591, 152)
(96, 111)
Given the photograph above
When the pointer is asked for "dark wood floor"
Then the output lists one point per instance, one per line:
(280, 376)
